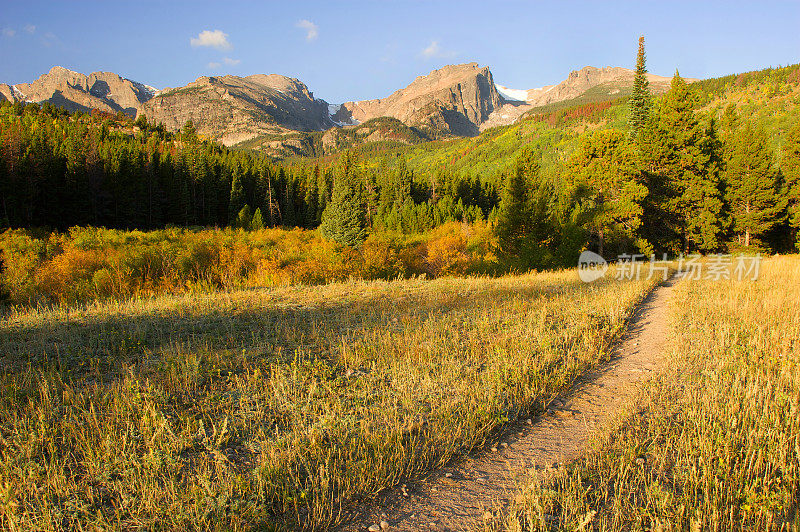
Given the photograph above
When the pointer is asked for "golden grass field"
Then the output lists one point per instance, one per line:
(273, 408)
(714, 442)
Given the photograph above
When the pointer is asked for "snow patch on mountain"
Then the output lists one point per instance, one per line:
(334, 108)
(152, 91)
(514, 95)
(17, 93)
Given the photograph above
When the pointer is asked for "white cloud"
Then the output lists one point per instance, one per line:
(434, 49)
(30, 28)
(213, 65)
(312, 30)
(213, 39)
(8, 32)
(49, 39)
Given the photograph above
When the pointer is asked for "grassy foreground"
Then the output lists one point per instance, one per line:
(270, 409)
(714, 444)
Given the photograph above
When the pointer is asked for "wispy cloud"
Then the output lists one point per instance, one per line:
(225, 60)
(8, 32)
(50, 39)
(30, 28)
(434, 49)
(312, 30)
(212, 39)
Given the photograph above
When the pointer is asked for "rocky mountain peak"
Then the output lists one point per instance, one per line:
(454, 99)
(234, 109)
(605, 83)
(72, 90)
(457, 100)
(281, 83)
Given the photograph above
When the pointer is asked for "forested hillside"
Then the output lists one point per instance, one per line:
(61, 170)
(711, 166)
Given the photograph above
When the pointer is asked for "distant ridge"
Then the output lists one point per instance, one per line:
(233, 109)
(455, 100)
(74, 91)
(606, 83)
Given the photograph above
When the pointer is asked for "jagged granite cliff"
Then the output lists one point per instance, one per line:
(454, 100)
(605, 83)
(74, 91)
(232, 109)
(265, 111)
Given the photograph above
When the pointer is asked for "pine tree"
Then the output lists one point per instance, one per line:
(790, 168)
(237, 198)
(371, 196)
(324, 183)
(244, 219)
(189, 131)
(344, 220)
(679, 160)
(401, 184)
(755, 203)
(514, 219)
(273, 211)
(257, 223)
(312, 202)
(288, 210)
(640, 101)
(702, 197)
(603, 169)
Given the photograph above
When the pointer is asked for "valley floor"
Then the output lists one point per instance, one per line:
(277, 408)
(289, 407)
(710, 443)
(477, 492)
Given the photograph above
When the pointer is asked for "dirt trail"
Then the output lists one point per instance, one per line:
(459, 496)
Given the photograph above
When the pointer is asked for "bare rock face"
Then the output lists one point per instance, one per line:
(74, 91)
(7, 93)
(607, 83)
(459, 100)
(580, 81)
(455, 100)
(233, 109)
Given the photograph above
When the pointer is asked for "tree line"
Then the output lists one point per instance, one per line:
(59, 170)
(679, 181)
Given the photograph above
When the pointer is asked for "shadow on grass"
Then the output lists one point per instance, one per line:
(273, 329)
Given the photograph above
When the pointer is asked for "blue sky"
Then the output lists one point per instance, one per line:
(353, 50)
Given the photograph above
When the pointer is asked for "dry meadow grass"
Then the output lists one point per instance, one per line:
(714, 443)
(272, 408)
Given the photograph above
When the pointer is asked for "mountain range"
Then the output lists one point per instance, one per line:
(105, 91)
(265, 111)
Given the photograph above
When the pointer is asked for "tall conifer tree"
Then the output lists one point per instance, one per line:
(344, 220)
(790, 168)
(604, 170)
(640, 101)
(513, 223)
(753, 196)
(680, 160)
(237, 201)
